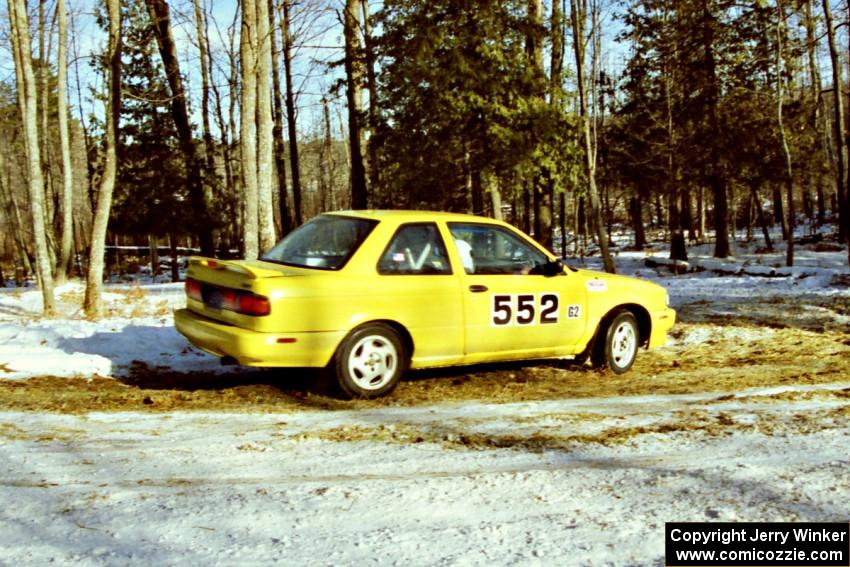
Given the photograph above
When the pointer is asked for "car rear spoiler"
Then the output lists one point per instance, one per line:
(239, 266)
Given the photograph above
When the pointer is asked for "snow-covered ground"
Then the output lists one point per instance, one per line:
(241, 489)
(568, 481)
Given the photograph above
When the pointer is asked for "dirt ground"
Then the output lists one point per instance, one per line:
(753, 344)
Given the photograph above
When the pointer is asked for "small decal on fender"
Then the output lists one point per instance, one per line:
(597, 285)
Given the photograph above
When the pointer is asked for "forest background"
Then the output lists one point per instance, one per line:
(220, 127)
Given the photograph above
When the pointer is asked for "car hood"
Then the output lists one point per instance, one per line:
(617, 281)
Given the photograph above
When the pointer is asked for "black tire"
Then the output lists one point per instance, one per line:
(617, 343)
(370, 362)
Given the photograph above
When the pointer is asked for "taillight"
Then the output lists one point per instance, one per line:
(229, 299)
(242, 302)
(257, 305)
(193, 289)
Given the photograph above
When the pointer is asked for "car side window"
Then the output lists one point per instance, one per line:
(415, 249)
(487, 249)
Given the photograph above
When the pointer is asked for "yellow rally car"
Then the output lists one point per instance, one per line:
(369, 294)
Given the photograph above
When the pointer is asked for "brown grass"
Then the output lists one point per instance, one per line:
(786, 356)
(461, 434)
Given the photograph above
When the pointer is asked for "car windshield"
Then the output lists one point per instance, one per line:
(325, 242)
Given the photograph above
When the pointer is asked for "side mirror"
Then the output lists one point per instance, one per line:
(553, 268)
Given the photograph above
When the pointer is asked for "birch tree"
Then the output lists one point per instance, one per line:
(26, 87)
(67, 238)
(579, 17)
(265, 146)
(93, 301)
(248, 128)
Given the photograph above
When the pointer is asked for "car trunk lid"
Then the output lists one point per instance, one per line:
(232, 291)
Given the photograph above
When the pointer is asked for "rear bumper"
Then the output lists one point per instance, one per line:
(250, 348)
(662, 322)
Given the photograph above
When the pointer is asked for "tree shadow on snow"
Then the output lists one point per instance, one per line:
(145, 357)
(151, 357)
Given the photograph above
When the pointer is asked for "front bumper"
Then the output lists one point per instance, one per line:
(250, 348)
(662, 322)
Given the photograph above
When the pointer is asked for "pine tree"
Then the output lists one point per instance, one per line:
(153, 195)
(460, 104)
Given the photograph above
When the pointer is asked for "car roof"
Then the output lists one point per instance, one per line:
(412, 216)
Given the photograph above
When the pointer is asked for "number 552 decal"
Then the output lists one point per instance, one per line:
(524, 309)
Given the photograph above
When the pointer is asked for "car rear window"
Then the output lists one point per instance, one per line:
(326, 242)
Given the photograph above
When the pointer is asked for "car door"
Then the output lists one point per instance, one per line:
(416, 277)
(511, 308)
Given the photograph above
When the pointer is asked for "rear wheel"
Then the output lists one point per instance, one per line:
(370, 362)
(617, 344)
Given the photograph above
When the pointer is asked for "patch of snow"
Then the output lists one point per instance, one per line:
(203, 488)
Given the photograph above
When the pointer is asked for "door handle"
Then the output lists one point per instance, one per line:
(477, 288)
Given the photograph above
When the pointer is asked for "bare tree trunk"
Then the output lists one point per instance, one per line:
(153, 245)
(228, 132)
(675, 215)
(841, 142)
(325, 159)
(291, 115)
(93, 302)
(732, 208)
(248, 128)
(67, 239)
(556, 77)
(715, 173)
(89, 147)
(556, 66)
(13, 215)
(701, 213)
(779, 211)
(354, 96)
(762, 220)
(42, 73)
(789, 171)
(687, 215)
(210, 175)
(562, 218)
(540, 176)
(265, 141)
(175, 265)
(815, 80)
(277, 129)
(25, 80)
(579, 14)
(372, 85)
(495, 201)
(202, 221)
(526, 210)
(635, 210)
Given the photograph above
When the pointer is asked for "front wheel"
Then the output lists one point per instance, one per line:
(617, 344)
(370, 362)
